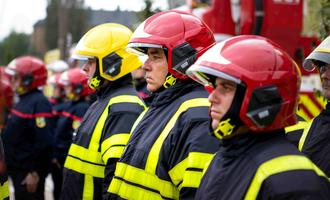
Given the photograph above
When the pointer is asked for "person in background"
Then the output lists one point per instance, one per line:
(6, 101)
(315, 139)
(169, 147)
(104, 131)
(74, 83)
(58, 94)
(28, 134)
(254, 97)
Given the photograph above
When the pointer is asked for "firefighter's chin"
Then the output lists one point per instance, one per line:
(215, 123)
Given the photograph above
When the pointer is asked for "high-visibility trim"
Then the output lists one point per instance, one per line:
(300, 125)
(97, 133)
(188, 173)
(127, 191)
(4, 190)
(153, 156)
(311, 106)
(137, 121)
(84, 167)
(88, 191)
(304, 135)
(113, 146)
(85, 154)
(113, 152)
(85, 161)
(30, 116)
(133, 183)
(279, 165)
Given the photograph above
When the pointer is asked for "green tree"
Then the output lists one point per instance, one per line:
(317, 18)
(14, 45)
(147, 11)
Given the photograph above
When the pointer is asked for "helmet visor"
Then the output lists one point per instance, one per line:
(141, 49)
(202, 74)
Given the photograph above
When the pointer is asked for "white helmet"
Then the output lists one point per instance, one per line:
(58, 66)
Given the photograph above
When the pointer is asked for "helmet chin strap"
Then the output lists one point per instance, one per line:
(169, 81)
(20, 90)
(231, 121)
(96, 81)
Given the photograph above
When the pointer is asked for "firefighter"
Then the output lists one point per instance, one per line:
(74, 82)
(254, 97)
(6, 100)
(315, 140)
(168, 149)
(57, 90)
(104, 131)
(28, 133)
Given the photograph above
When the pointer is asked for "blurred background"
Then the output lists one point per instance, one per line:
(50, 28)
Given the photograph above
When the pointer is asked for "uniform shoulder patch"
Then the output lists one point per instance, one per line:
(75, 124)
(40, 122)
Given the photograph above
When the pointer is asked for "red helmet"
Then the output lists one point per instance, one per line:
(269, 76)
(6, 91)
(78, 80)
(31, 69)
(183, 36)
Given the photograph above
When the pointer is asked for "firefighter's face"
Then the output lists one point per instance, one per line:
(156, 69)
(221, 99)
(90, 67)
(16, 82)
(325, 79)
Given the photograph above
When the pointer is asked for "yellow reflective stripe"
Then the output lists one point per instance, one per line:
(127, 99)
(84, 167)
(153, 156)
(278, 165)
(139, 119)
(314, 110)
(304, 135)
(85, 154)
(192, 179)
(109, 148)
(134, 177)
(127, 191)
(323, 50)
(113, 152)
(181, 172)
(4, 190)
(298, 126)
(97, 133)
(88, 193)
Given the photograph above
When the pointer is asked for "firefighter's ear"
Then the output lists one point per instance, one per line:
(27, 79)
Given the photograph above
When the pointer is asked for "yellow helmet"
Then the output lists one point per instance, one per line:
(107, 43)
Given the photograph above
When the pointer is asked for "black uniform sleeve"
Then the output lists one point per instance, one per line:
(193, 151)
(43, 126)
(114, 139)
